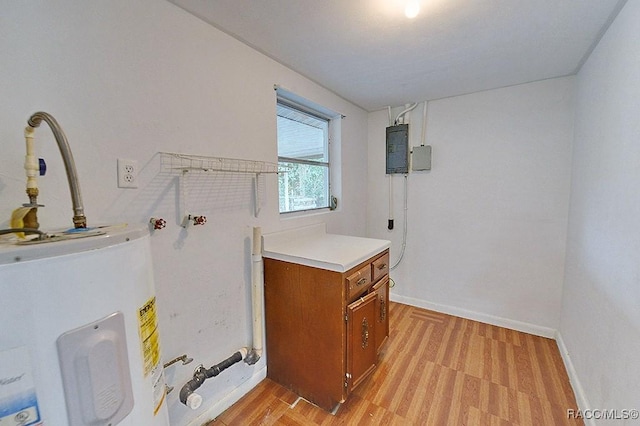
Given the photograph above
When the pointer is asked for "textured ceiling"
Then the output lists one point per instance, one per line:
(369, 53)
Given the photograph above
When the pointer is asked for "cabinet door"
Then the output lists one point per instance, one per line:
(361, 340)
(381, 291)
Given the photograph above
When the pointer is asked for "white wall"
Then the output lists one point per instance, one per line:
(126, 79)
(487, 225)
(600, 323)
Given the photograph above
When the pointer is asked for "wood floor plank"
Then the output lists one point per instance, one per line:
(435, 369)
(474, 362)
(422, 398)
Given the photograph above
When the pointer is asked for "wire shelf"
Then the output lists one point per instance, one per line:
(174, 163)
(183, 164)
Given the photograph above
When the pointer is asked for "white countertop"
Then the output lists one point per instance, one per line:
(312, 246)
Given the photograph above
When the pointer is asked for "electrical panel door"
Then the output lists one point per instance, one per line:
(398, 149)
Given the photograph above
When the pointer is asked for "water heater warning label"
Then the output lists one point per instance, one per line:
(148, 323)
(18, 402)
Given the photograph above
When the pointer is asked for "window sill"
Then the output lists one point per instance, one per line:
(305, 213)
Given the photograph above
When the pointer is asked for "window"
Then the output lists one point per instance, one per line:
(303, 154)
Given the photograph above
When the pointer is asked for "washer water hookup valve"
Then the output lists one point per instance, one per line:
(199, 220)
(194, 220)
(158, 223)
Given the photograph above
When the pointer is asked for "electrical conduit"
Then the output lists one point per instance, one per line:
(390, 180)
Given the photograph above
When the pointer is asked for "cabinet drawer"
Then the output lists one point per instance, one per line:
(359, 281)
(380, 267)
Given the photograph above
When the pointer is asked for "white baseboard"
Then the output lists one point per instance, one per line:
(218, 408)
(477, 316)
(578, 390)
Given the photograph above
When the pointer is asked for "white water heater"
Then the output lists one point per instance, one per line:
(79, 342)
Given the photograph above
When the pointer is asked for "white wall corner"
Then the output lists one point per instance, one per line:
(581, 397)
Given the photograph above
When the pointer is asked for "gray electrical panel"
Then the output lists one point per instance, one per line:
(398, 149)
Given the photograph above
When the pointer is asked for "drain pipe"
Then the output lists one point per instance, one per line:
(257, 291)
(187, 394)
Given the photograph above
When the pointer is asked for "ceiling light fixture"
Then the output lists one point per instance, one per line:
(412, 9)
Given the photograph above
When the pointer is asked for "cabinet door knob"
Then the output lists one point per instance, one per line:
(382, 266)
(362, 281)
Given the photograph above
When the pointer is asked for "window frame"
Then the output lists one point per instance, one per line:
(302, 106)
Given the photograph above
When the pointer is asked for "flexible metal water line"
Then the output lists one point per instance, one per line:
(79, 219)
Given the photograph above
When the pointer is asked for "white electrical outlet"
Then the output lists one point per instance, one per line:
(127, 173)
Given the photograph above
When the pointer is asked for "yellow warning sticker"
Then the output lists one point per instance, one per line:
(148, 323)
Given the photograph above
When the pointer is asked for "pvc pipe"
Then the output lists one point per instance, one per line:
(31, 166)
(194, 401)
(257, 295)
(256, 247)
(423, 136)
(390, 221)
(408, 107)
(187, 394)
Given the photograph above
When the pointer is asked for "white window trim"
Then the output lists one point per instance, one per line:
(295, 101)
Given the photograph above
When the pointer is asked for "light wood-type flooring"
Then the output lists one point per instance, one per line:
(439, 370)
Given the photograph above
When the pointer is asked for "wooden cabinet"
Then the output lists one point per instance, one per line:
(324, 329)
